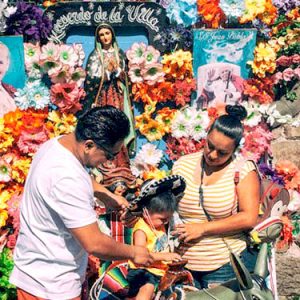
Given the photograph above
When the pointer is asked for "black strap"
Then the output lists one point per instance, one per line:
(201, 195)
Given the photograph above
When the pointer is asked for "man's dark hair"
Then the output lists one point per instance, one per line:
(104, 125)
(163, 202)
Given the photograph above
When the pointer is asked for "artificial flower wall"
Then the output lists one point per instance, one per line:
(162, 86)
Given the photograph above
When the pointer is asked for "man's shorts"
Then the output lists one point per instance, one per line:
(139, 277)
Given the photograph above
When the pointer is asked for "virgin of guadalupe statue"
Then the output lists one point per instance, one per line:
(106, 79)
(106, 84)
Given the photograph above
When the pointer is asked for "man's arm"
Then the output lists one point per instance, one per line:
(106, 248)
(110, 199)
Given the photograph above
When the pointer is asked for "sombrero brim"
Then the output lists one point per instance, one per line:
(174, 183)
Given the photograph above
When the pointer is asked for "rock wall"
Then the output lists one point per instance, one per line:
(286, 144)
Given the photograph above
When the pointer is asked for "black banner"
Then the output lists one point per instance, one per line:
(67, 15)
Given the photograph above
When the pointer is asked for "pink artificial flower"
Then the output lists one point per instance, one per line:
(257, 141)
(49, 57)
(67, 55)
(60, 74)
(31, 139)
(136, 53)
(297, 73)
(151, 55)
(135, 73)
(14, 204)
(78, 75)
(277, 77)
(32, 54)
(295, 59)
(67, 96)
(50, 50)
(12, 239)
(153, 73)
(288, 74)
(284, 61)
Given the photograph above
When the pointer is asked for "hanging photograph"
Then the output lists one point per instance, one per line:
(220, 64)
(12, 71)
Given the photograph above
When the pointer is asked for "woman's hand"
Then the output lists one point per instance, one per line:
(189, 232)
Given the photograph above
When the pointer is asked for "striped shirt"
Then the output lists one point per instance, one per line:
(210, 253)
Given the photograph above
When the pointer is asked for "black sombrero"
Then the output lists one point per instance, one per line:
(175, 183)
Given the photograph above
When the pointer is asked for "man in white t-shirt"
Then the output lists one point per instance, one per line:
(58, 225)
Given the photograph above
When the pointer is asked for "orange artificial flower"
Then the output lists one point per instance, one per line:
(286, 168)
(211, 13)
(141, 92)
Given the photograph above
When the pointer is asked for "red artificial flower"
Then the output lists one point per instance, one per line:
(31, 139)
(67, 96)
(182, 146)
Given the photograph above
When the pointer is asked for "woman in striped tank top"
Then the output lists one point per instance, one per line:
(214, 211)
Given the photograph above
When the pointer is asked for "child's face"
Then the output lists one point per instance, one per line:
(160, 219)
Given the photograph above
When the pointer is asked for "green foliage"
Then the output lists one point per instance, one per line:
(7, 290)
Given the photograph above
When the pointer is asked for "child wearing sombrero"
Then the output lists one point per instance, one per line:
(157, 201)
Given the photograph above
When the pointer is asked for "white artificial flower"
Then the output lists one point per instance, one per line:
(275, 116)
(254, 115)
(180, 125)
(150, 154)
(137, 166)
(197, 131)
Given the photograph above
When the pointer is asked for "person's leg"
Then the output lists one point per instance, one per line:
(197, 275)
(146, 292)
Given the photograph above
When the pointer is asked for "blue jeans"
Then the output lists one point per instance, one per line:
(203, 279)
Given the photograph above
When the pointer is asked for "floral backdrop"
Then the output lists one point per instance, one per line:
(162, 85)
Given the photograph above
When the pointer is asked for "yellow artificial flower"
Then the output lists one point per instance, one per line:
(153, 130)
(294, 14)
(20, 168)
(3, 217)
(59, 123)
(142, 120)
(6, 139)
(4, 197)
(165, 116)
(261, 9)
(252, 9)
(264, 52)
(264, 60)
(177, 63)
(293, 36)
(150, 107)
(154, 173)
